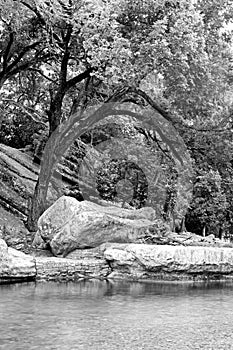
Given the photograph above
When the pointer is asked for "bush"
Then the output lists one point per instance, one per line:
(18, 131)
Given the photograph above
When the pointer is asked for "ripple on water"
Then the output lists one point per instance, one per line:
(99, 315)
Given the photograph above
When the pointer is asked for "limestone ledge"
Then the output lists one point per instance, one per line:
(164, 262)
(60, 269)
(122, 261)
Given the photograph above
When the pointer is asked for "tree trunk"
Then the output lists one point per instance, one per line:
(37, 207)
(55, 112)
(58, 143)
(204, 231)
(183, 228)
(3, 79)
(38, 203)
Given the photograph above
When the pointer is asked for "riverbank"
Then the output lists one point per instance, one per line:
(69, 228)
(137, 262)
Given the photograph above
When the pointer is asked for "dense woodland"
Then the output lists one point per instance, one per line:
(60, 57)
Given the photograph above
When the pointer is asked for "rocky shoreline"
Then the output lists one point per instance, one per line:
(114, 261)
(139, 246)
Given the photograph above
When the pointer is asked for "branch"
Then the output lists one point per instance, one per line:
(119, 94)
(42, 21)
(78, 78)
(81, 100)
(21, 54)
(43, 75)
(29, 111)
(65, 58)
(166, 114)
(28, 64)
(177, 122)
(35, 10)
(7, 51)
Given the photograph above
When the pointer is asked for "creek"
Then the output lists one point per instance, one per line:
(99, 315)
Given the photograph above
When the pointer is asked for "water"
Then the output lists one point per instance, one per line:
(99, 315)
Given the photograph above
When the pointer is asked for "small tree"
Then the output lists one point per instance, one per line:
(209, 207)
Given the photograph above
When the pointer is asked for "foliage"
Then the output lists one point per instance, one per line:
(212, 200)
(19, 131)
(208, 211)
(22, 40)
(60, 56)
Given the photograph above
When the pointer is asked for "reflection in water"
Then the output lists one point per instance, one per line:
(116, 315)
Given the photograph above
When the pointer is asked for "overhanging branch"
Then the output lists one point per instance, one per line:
(177, 122)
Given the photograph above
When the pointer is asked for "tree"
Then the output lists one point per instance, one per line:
(23, 43)
(79, 123)
(178, 50)
(209, 206)
(170, 41)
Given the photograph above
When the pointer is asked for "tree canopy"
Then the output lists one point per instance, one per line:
(58, 57)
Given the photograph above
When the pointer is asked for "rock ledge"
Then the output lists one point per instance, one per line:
(129, 261)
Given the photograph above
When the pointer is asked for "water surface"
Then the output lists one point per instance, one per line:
(101, 315)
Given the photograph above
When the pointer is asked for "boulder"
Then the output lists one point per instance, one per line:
(68, 225)
(14, 265)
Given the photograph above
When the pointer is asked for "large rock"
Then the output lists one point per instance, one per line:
(163, 262)
(14, 265)
(69, 224)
